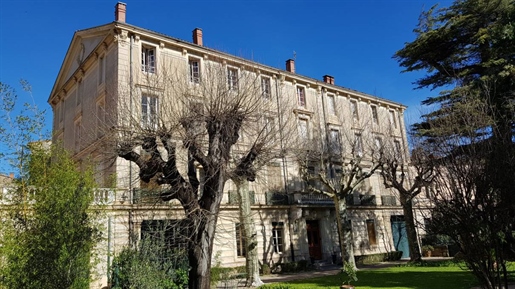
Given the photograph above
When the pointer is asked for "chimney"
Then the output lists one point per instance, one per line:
(197, 36)
(290, 65)
(329, 79)
(11, 175)
(119, 12)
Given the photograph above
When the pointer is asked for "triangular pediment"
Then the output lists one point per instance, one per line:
(83, 44)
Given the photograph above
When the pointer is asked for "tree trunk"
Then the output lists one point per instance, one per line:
(407, 207)
(203, 225)
(249, 231)
(344, 231)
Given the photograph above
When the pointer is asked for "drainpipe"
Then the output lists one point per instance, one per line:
(131, 85)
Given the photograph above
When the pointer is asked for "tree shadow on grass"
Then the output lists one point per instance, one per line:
(408, 278)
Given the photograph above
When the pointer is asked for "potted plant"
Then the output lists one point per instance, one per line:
(426, 250)
(350, 272)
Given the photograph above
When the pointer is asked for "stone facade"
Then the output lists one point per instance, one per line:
(91, 91)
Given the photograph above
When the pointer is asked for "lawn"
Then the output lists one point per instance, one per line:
(402, 277)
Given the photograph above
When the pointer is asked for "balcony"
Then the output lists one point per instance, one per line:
(389, 201)
(277, 199)
(233, 197)
(313, 199)
(146, 196)
(361, 200)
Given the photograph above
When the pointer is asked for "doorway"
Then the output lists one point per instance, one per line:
(314, 240)
(400, 237)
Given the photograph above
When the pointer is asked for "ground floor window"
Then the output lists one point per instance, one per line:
(371, 229)
(240, 241)
(278, 236)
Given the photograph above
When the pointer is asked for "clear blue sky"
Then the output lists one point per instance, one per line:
(352, 40)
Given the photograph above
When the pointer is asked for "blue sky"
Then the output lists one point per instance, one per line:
(352, 40)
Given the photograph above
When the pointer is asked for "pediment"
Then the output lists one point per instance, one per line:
(83, 44)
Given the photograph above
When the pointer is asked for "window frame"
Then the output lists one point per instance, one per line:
(358, 144)
(100, 117)
(331, 104)
(149, 118)
(266, 87)
(278, 237)
(393, 120)
(101, 70)
(307, 135)
(194, 76)
(371, 232)
(354, 110)
(335, 144)
(375, 115)
(232, 78)
(301, 96)
(241, 244)
(77, 132)
(147, 57)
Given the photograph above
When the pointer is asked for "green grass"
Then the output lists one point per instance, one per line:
(402, 277)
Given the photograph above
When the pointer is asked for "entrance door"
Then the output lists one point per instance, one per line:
(400, 237)
(314, 241)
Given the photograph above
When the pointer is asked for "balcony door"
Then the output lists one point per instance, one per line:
(314, 240)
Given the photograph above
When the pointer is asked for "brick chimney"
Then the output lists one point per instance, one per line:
(290, 65)
(120, 10)
(197, 36)
(329, 79)
(11, 175)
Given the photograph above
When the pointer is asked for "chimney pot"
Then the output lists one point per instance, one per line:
(120, 10)
(290, 65)
(197, 36)
(329, 79)
(11, 175)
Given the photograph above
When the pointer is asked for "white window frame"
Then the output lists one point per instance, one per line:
(266, 87)
(301, 96)
(331, 104)
(232, 78)
(149, 111)
(393, 120)
(354, 110)
(304, 135)
(375, 115)
(194, 70)
(278, 241)
(148, 59)
(358, 144)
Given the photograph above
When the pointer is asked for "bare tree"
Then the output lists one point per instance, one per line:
(408, 178)
(331, 170)
(217, 120)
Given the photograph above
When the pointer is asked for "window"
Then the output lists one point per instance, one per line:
(354, 110)
(101, 118)
(79, 93)
(334, 141)
(371, 229)
(303, 129)
(278, 236)
(331, 105)
(78, 134)
(266, 88)
(101, 70)
(398, 149)
(358, 145)
(241, 247)
(274, 176)
(374, 114)
(393, 121)
(174, 233)
(149, 106)
(148, 59)
(269, 127)
(378, 143)
(194, 65)
(301, 96)
(232, 78)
